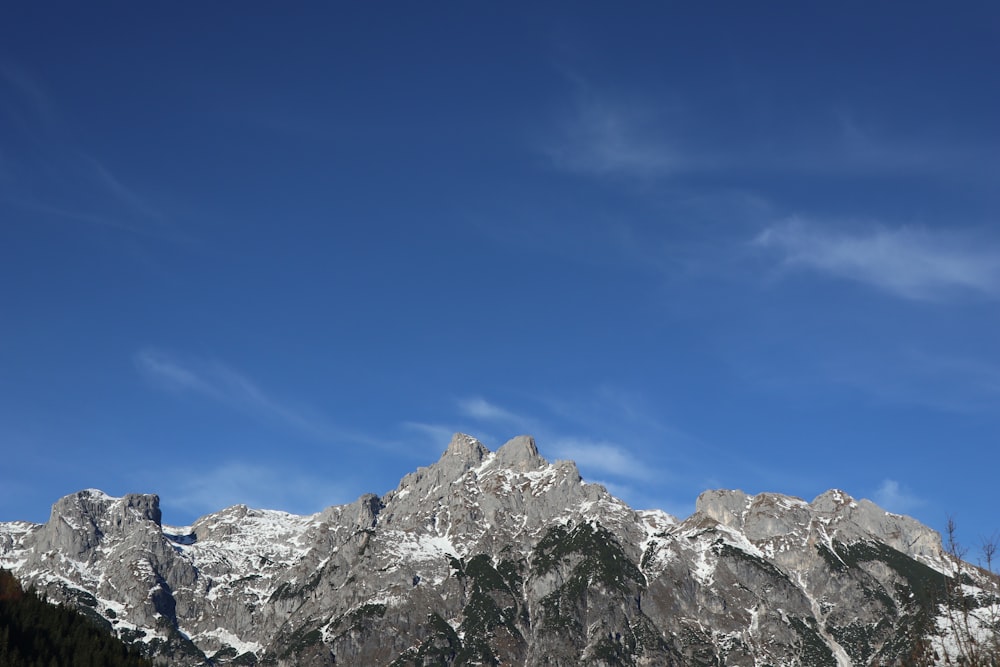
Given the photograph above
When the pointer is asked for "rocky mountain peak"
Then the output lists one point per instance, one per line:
(771, 515)
(728, 507)
(81, 521)
(463, 453)
(833, 501)
(852, 517)
(760, 517)
(500, 558)
(466, 449)
(520, 454)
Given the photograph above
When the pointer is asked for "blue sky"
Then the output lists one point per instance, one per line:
(277, 255)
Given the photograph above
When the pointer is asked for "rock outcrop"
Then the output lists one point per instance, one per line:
(501, 558)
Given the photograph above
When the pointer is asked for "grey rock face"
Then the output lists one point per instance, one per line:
(499, 558)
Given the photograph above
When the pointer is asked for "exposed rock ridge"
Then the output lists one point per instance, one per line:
(499, 558)
(768, 515)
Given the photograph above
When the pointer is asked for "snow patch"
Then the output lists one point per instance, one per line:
(420, 548)
(227, 638)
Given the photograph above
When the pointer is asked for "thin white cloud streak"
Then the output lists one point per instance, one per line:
(118, 191)
(605, 457)
(211, 379)
(33, 206)
(44, 172)
(977, 376)
(32, 102)
(258, 485)
(601, 457)
(914, 264)
(628, 411)
(223, 384)
(642, 136)
(90, 192)
(173, 375)
(604, 140)
(479, 408)
(605, 134)
(891, 496)
(628, 472)
(438, 435)
(861, 146)
(914, 377)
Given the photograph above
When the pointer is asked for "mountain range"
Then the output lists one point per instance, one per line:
(503, 558)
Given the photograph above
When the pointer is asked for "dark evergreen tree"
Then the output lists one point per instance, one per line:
(34, 633)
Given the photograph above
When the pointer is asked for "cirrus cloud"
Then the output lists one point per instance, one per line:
(605, 458)
(223, 384)
(908, 262)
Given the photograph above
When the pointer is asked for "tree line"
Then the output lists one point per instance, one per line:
(34, 633)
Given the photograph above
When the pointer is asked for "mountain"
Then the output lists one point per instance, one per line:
(33, 632)
(504, 558)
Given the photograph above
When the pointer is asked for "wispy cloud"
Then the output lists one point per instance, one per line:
(73, 214)
(627, 411)
(80, 188)
(44, 171)
(603, 458)
(640, 134)
(223, 384)
(259, 485)
(978, 377)
(628, 455)
(480, 408)
(604, 140)
(172, 375)
(862, 144)
(604, 133)
(211, 379)
(596, 458)
(27, 103)
(893, 497)
(911, 263)
(438, 435)
(100, 174)
(912, 376)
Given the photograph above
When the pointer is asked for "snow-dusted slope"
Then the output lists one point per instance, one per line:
(501, 558)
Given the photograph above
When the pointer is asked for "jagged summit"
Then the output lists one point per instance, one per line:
(520, 454)
(464, 452)
(465, 448)
(772, 515)
(501, 557)
(94, 502)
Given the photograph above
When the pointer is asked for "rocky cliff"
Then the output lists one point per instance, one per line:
(503, 558)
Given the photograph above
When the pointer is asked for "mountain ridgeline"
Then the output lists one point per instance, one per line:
(501, 558)
(34, 633)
